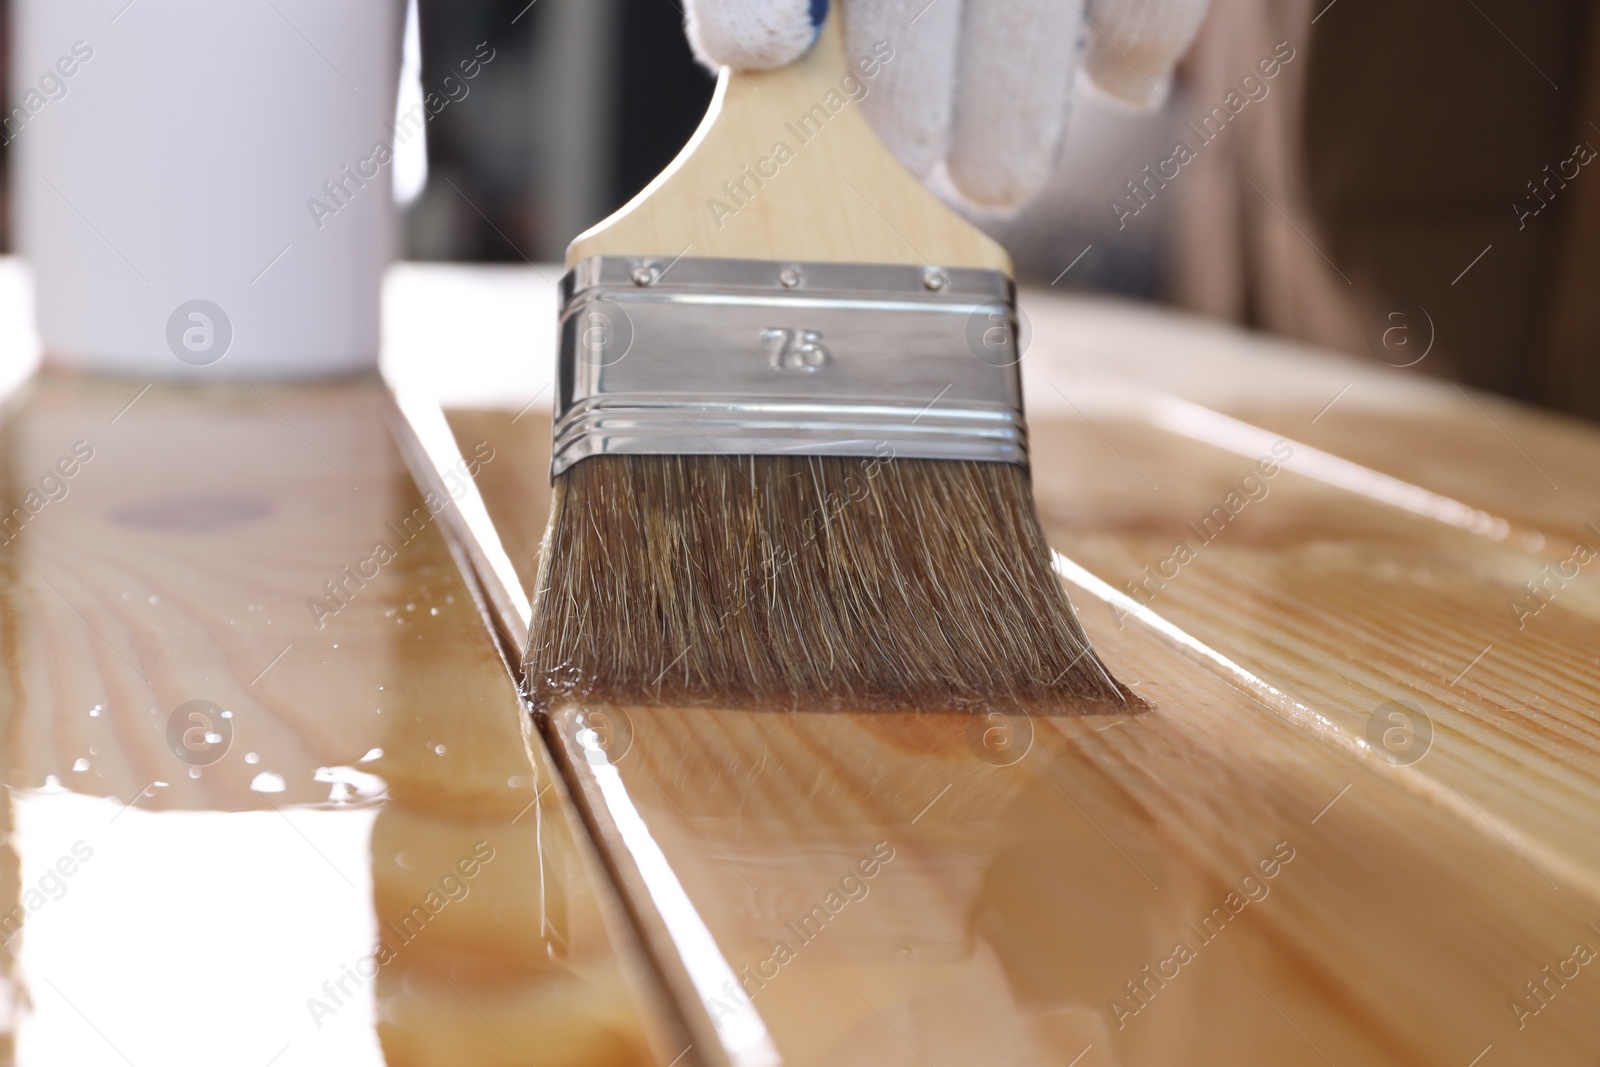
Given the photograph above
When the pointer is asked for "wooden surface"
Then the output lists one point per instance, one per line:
(369, 758)
(816, 183)
(1022, 872)
(1377, 564)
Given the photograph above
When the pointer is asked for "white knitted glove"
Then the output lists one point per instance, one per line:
(975, 94)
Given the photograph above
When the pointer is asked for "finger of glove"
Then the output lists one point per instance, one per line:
(1134, 44)
(912, 45)
(1013, 98)
(751, 34)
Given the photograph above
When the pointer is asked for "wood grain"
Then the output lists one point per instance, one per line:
(816, 182)
(374, 760)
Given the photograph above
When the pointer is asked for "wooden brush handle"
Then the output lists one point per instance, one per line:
(831, 192)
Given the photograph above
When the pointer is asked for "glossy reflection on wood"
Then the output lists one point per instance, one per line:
(1057, 885)
(359, 862)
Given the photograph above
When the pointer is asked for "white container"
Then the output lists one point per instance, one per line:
(169, 157)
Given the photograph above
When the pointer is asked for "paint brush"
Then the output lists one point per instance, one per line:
(790, 464)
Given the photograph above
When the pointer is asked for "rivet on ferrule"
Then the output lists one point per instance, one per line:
(932, 279)
(644, 276)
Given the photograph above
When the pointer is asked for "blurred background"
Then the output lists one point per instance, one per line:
(1420, 164)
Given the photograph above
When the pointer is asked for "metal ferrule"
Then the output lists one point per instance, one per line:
(759, 357)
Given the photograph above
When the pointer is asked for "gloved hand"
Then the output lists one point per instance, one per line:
(976, 97)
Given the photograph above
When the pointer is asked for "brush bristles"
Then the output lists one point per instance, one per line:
(804, 582)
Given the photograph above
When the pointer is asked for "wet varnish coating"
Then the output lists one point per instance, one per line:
(368, 867)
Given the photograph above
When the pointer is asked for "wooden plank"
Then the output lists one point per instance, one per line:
(1026, 898)
(1530, 467)
(1353, 606)
(1035, 890)
(374, 788)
